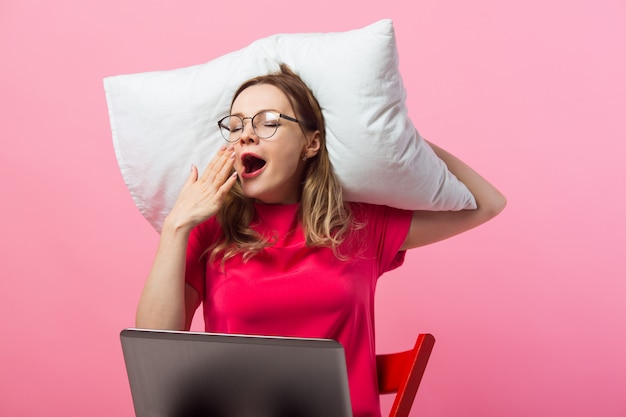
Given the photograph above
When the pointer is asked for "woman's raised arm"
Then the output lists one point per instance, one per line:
(166, 301)
(432, 226)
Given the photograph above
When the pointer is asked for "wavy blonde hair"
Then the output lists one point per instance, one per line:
(324, 216)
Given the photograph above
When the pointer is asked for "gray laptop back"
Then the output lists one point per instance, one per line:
(188, 374)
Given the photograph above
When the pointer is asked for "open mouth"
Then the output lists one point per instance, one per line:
(252, 164)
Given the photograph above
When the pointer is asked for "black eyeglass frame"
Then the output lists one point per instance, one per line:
(221, 127)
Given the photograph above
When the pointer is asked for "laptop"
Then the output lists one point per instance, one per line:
(193, 374)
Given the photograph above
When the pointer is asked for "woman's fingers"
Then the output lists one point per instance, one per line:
(228, 184)
(193, 176)
(220, 166)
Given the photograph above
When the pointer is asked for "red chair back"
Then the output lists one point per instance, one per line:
(402, 373)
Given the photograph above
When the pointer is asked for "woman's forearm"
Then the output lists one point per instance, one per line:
(162, 302)
(432, 226)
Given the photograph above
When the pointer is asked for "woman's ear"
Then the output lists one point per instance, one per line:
(313, 144)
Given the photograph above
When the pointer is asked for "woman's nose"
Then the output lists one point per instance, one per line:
(248, 135)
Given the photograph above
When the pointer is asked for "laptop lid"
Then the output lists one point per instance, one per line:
(193, 374)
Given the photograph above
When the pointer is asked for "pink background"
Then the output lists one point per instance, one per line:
(529, 310)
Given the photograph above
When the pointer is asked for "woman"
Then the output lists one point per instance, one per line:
(265, 242)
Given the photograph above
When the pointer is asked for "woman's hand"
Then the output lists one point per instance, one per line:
(201, 197)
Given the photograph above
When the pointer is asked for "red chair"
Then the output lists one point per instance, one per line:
(402, 373)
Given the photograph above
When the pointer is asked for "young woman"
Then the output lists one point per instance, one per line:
(263, 240)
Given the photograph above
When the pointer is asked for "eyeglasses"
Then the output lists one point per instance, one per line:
(265, 124)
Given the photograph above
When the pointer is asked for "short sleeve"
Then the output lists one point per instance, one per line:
(386, 230)
(200, 239)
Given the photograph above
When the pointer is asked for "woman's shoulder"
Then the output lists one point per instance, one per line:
(208, 230)
(377, 219)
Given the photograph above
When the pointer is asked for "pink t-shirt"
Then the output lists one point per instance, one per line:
(293, 290)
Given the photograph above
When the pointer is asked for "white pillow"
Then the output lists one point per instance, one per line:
(163, 121)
